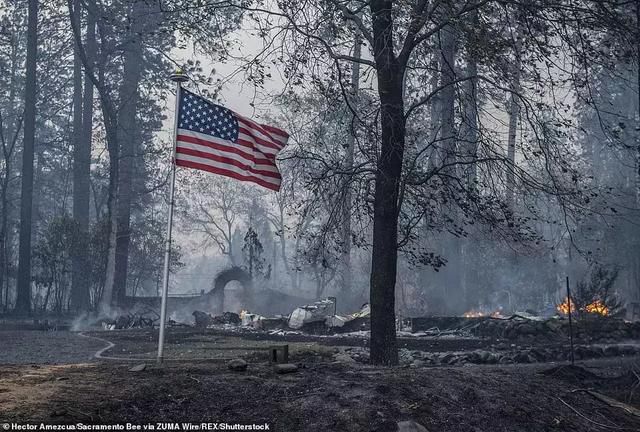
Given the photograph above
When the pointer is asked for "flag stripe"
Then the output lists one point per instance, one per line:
(243, 140)
(227, 171)
(222, 146)
(227, 160)
(275, 130)
(259, 138)
(248, 140)
(261, 131)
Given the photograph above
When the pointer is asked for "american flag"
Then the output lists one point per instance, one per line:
(213, 138)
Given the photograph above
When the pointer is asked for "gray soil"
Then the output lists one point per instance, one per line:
(323, 395)
(46, 347)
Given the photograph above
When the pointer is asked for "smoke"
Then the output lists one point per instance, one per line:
(93, 320)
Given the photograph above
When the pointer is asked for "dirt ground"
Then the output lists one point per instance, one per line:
(323, 395)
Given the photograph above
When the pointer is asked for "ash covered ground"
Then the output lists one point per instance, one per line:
(55, 377)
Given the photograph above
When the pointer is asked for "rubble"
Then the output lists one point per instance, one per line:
(202, 319)
(315, 312)
(251, 320)
(285, 368)
(228, 318)
(495, 355)
(524, 327)
(141, 319)
(343, 358)
(237, 365)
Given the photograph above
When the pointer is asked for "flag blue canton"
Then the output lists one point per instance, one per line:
(199, 115)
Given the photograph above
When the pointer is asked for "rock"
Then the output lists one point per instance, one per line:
(237, 365)
(343, 358)
(492, 358)
(447, 358)
(505, 360)
(405, 356)
(138, 368)
(527, 329)
(484, 356)
(521, 358)
(411, 426)
(286, 368)
(452, 360)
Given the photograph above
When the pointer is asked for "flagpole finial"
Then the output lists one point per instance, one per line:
(179, 76)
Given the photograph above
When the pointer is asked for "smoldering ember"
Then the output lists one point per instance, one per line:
(357, 215)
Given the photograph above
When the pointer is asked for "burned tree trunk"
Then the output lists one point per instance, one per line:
(23, 301)
(388, 174)
(345, 276)
(127, 135)
(9, 137)
(448, 76)
(81, 165)
(122, 158)
(452, 245)
(469, 137)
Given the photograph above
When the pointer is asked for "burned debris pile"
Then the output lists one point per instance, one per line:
(204, 320)
(497, 353)
(130, 321)
(317, 319)
(525, 328)
(320, 318)
(430, 341)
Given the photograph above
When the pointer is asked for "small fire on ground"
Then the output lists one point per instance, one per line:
(596, 307)
(566, 306)
(479, 314)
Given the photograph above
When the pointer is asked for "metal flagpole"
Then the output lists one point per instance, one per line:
(178, 77)
(570, 302)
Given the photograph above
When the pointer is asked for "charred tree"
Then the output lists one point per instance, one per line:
(81, 169)
(127, 135)
(384, 262)
(23, 300)
(345, 276)
(9, 134)
(469, 137)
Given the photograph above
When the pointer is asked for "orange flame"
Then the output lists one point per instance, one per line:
(565, 305)
(597, 307)
(479, 314)
(473, 314)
